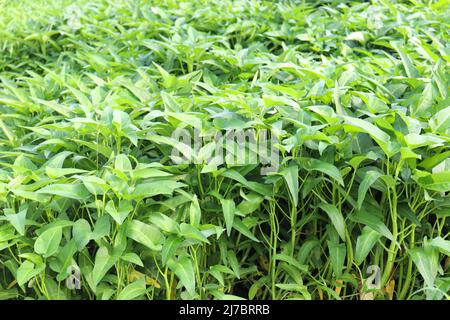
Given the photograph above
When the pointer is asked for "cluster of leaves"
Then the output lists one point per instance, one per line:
(356, 92)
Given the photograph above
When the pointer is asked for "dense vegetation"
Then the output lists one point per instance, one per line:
(357, 94)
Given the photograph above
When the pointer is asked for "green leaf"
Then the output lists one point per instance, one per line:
(234, 264)
(81, 233)
(103, 262)
(122, 163)
(34, 196)
(61, 223)
(427, 262)
(121, 213)
(169, 248)
(291, 261)
(27, 270)
(96, 147)
(9, 294)
(336, 218)
(242, 228)
(17, 220)
(133, 258)
(415, 140)
(373, 221)
(184, 270)
(251, 185)
(439, 181)
(53, 289)
(228, 208)
(311, 164)
(365, 243)
(431, 162)
(65, 257)
(441, 244)
(164, 222)
(143, 172)
(195, 212)
(133, 290)
(367, 127)
(189, 231)
(425, 101)
(230, 123)
(290, 175)
(55, 173)
(150, 189)
(95, 185)
(296, 288)
(306, 249)
(381, 137)
(337, 256)
(47, 243)
(71, 191)
(440, 122)
(145, 234)
(410, 69)
(101, 228)
(369, 178)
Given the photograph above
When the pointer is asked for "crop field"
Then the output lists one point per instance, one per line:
(235, 149)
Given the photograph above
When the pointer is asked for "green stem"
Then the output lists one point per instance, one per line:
(392, 253)
(407, 283)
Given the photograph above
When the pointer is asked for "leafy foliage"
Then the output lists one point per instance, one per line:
(356, 92)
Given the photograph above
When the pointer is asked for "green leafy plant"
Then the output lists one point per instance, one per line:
(356, 93)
